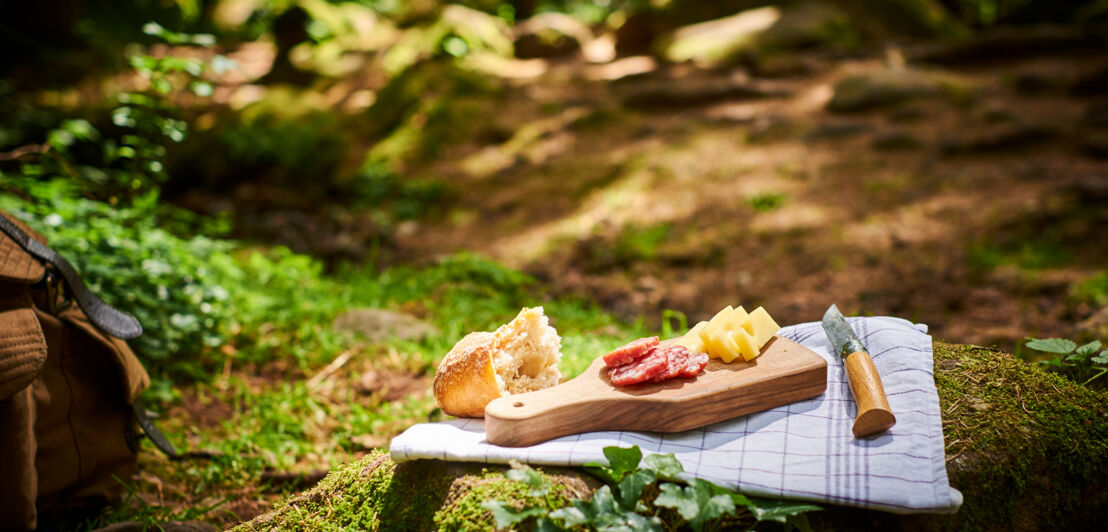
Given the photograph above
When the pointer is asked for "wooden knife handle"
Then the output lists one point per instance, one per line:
(874, 414)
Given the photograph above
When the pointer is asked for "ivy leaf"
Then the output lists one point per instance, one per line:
(739, 499)
(602, 502)
(507, 515)
(665, 465)
(673, 496)
(1089, 348)
(800, 522)
(570, 516)
(629, 522)
(1102, 358)
(623, 461)
(697, 503)
(1052, 345)
(522, 473)
(544, 524)
(606, 514)
(630, 488)
(602, 472)
(620, 462)
(775, 510)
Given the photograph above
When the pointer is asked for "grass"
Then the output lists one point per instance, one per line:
(767, 201)
(261, 416)
(1093, 290)
(242, 351)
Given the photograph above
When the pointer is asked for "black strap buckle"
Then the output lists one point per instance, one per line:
(57, 295)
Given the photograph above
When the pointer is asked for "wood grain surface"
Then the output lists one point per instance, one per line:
(784, 373)
(874, 413)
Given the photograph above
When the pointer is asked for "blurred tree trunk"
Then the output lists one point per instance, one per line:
(524, 8)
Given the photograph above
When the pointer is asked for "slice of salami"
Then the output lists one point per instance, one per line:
(695, 364)
(677, 360)
(630, 352)
(640, 370)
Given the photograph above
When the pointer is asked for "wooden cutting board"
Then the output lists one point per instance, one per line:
(784, 373)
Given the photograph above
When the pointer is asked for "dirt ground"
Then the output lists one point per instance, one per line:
(674, 187)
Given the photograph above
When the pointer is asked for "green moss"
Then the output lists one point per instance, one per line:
(1026, 447)
(354, 496)
(465, 512)
(375, 493)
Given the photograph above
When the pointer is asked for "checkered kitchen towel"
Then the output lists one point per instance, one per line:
(804, 450)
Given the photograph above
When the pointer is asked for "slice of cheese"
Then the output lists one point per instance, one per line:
(723, 347)
(716, 324)
(691, 340)
(747, 344)
(761, 326)
(731, 333)
(736, 319)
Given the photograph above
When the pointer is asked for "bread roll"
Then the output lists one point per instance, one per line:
(521, 356)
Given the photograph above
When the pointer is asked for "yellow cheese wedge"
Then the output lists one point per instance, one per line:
(747, 344)
(691, 340)
(731, 333)
(715, 324)
(723, 347)
(736, 319)
(761, 326)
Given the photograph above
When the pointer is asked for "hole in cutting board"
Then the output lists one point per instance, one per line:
(517, 404)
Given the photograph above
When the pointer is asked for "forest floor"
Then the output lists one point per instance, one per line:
(969, 197)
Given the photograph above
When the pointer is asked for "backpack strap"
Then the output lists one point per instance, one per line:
(156, 436)
(107, 318)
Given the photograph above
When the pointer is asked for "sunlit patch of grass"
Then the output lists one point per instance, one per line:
(641, 242)
(767, 201)
(1036, 254)
(1093, 290)
(888, 183)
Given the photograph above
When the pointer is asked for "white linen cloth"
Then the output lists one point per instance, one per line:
(804, 450)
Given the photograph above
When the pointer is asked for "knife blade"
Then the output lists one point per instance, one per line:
(874, 413)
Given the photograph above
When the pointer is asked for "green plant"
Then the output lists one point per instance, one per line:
(127, 158)
(1093, 290)
(1081, 364)
(635, 493)
(148, 118)
(766, 202)
(134, 508)
(392, 197)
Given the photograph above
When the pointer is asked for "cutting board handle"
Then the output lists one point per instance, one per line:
(527, 418)
(874, 413)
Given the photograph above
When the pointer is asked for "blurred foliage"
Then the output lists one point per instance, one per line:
(263, 144)
(1079, 363)
(1093, 290)
(123, 158)
(185, 291)
(431, 104)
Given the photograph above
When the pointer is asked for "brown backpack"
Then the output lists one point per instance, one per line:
(68, 389)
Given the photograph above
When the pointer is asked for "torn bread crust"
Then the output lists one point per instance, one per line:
(521, 356)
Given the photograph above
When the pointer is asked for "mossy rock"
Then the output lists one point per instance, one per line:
(757, 33)
(430, 105)
(1028, 450)
(891, 87)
